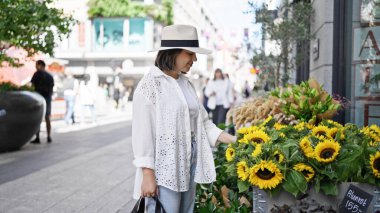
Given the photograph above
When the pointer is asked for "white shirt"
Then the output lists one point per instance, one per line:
(161, 134)
(223, 93)
(191, 99)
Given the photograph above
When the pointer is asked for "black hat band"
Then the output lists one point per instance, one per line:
(179, 43)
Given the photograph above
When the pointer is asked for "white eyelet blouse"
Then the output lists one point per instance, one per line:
(161, 134)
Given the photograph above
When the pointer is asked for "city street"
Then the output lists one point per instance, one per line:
(87, 168)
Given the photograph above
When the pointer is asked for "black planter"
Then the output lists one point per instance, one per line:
(21, 113)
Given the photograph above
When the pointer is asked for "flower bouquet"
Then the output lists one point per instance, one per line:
(275, 157)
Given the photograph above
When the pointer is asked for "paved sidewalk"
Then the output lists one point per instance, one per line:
(86, 169)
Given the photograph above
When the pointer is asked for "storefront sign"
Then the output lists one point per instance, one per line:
(366, 44)
(355, 200)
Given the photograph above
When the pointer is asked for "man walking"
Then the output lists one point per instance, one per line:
(43, 83)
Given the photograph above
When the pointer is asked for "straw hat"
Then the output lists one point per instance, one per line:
(181, 37)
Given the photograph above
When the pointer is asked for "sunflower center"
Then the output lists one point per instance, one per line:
(327, 153)
(321, 133)
(277, 157)
(265, 174)
(258, 140)
(306, 172)
(376, 164)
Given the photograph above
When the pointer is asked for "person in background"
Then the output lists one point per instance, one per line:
(247, 90)
(43, 83)
(69, 93)
(204, 97)
(219, 92)
(172, 136)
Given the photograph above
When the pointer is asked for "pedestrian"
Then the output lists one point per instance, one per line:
(87, 101)
(247, 90)
(220, 97)
(69, 94)
(205, 98)
(171, 133)
(43, 83)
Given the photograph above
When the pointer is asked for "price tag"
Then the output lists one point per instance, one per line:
(355, 200)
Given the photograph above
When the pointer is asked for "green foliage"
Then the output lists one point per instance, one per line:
(292, 27)
(8, 86)
(31, 25)
(125, 8)
(308, 102)
(209, 197)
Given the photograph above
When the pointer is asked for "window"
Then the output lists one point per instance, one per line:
(109, 34)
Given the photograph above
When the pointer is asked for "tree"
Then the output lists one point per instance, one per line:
(126, 8)
(31, 25)
(291, 27)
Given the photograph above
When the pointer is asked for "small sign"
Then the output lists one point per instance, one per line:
(355, 200)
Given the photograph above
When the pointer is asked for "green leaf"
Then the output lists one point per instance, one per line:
(329, 188)
(243, 186)
(295, 183)
(231, 169)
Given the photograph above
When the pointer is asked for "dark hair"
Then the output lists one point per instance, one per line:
(165, 59)
(41, 63)
(218, 70)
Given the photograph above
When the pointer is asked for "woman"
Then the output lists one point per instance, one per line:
(219, 92)
(171, 133)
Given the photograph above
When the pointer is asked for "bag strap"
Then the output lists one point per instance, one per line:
(159, 206)
(140, 206)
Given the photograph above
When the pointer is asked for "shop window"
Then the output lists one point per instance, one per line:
(136, 34)
(109, 34)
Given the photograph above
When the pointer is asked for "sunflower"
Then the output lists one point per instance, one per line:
(243, 130)
(278, 156)
(279, 126)
(301, 126)
(372, 133)
(327, 151)
(310, 126)
(258, 136)
(248, 130)
(333, 131)
(242, 170)
(335, 124)
(306, 147)
(266, 121)
(375, 164)
(257, 151)
(230, 154)
(307, 171)
(265, 175)
(320, 131)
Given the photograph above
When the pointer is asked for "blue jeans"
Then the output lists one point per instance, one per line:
(178, 202)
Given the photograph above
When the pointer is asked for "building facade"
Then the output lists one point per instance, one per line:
(112, 50)
(345, 56)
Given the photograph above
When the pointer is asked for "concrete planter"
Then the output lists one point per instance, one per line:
(21, 113)
(263, 203)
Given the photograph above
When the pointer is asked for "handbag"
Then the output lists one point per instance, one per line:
(140, 206)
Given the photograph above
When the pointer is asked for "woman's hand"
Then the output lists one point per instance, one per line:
(227, 138)
(148, 186)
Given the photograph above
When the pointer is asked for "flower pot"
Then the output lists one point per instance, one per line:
(262, 202)
(21, 116)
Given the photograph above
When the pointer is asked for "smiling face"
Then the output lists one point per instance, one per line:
(184, 61)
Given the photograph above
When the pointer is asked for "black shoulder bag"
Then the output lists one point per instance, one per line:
(140, 206)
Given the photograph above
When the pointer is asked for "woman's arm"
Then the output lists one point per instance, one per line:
(143, 143)
(226, 138)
